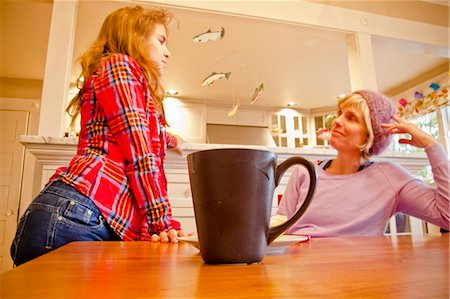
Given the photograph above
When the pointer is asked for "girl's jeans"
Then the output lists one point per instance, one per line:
(58, 215)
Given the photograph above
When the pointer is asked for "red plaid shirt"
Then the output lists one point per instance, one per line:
(121, 149)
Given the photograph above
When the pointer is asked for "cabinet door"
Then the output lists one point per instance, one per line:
(219, 115)
(243, 117)
(12, 125)
(256, 118)
(186, 120)
(179, 192)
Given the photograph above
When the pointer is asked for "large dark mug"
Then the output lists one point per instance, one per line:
(232, 192)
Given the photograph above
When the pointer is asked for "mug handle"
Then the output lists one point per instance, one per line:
(275, 231)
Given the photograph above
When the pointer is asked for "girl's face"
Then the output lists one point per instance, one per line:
(349, 131)
(157, 45)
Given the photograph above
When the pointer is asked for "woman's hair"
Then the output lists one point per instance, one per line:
(125, 31)
(357, 101)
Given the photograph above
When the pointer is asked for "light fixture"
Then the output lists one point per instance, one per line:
(292, 104)
(172, 92)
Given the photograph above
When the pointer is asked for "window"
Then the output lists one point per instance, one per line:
(434, 123)
(427, 123)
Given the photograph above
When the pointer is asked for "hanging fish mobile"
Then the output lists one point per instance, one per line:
(213, 77)
(257, 93)
(209, 36)
(233, 110)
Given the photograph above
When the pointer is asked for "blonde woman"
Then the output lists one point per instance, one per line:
(356, 196)
(115, 187)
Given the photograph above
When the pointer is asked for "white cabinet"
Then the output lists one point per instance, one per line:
(244, 117)
(219, 115)
(289, 128)
(186, 120)
(179, 192)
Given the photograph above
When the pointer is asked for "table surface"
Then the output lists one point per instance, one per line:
(358, 267)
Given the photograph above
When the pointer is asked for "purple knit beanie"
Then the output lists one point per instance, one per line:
(381, 111)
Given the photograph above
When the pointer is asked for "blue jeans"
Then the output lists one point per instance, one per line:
(57, 216)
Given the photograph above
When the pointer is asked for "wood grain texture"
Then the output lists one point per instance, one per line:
(361, 267)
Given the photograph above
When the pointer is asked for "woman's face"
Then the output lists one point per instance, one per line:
(157, 43)
(349, 130)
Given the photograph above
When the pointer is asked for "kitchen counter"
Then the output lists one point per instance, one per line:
(62, 149)
(36, 141)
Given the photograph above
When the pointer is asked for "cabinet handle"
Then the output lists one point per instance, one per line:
(9, 213)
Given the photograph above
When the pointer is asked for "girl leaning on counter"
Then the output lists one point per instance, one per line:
(356, 196)
(115, 186)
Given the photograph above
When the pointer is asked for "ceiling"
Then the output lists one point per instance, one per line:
(295, 62)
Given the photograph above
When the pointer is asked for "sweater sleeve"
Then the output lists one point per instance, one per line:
(295, 192)
(425, 202)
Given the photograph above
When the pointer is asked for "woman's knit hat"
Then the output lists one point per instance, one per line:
(381, 111)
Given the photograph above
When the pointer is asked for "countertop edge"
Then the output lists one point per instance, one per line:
(35, 140)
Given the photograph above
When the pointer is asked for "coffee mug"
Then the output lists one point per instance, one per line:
(232, 193)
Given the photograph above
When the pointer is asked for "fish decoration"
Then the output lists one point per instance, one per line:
(213, 77)
(209, 36)
(435, 86)
(418, 95)
(257, 93)
(233, 110)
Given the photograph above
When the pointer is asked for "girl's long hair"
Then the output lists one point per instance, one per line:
(124, 31)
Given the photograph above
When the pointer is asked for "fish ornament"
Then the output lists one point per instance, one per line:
(213, 77)
(209, 36)
(233, 110)
(257, 93)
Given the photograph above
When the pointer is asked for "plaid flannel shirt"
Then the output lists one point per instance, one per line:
(121, 149)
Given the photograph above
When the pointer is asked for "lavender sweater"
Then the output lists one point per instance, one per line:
(361, 203)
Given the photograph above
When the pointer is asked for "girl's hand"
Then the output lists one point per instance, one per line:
(179, 148)
(168, 237)
(418, 137)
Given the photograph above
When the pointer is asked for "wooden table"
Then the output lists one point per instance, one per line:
(361, 267)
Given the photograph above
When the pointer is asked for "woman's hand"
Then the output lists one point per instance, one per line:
(168, 237)
(418, 137)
